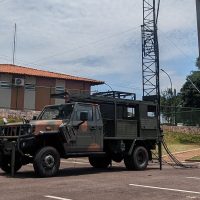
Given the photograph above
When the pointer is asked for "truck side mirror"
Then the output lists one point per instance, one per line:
(84, 116)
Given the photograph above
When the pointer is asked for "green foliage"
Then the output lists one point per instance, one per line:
(195, 158)
(189, 94)
(10, 120)
(198, 63)
(182, 138)
(169, 101)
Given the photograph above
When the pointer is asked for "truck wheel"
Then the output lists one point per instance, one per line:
(6, 164)
(46, 162)
(138, 160)
(99, 162)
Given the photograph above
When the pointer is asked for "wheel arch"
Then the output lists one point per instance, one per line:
(147, 144)
(51, 139)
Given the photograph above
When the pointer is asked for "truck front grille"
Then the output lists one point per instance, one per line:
(14, 130)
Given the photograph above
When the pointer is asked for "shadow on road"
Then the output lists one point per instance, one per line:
(72, 171)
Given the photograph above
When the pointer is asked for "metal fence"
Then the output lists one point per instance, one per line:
(180, 116)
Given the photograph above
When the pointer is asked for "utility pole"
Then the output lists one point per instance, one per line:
(198, 22)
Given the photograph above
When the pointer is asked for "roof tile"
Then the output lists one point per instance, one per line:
(14, 69)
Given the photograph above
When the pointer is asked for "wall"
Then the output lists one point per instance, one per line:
(60, 87)
(35, 94)
(44, 88)
(17, 95)
(16, 114)
(181, 129)
(29, 93)
(5, 92)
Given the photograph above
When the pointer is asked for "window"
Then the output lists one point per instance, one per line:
(29, 86)
(60, 89)
(5, 84)
(50, 114)
(130, 112)
(57, 112)
(151, 111)
(84, 108)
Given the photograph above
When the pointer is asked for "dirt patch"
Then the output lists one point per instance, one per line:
(184, 155)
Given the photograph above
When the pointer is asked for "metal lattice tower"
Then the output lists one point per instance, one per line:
(150, 52)
(150, 61)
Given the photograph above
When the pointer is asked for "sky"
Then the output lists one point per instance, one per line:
(98, 39)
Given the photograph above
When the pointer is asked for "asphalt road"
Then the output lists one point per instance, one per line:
(78, 181)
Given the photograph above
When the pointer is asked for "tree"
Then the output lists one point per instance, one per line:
(198, 63)
(169, 101)
(189, 94)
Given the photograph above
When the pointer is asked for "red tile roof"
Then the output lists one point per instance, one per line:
(14, 69)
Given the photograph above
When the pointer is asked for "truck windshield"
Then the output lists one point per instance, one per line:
(56, 112)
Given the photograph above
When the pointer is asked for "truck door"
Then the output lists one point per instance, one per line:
(87, 138)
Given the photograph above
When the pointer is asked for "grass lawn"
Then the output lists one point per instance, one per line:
(195, 158)
(178, 142)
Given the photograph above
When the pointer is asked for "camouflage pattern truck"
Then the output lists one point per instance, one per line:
(104, 127)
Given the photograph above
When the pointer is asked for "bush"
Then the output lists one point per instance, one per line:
(10, 120)
(183, 138)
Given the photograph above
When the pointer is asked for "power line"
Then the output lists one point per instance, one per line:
(80, 47)
(176, 46)
(88, 44)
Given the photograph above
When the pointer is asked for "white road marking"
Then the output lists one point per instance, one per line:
(54, 197)
(193, 178)
(168, 189)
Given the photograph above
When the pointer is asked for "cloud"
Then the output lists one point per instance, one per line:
(97, 39)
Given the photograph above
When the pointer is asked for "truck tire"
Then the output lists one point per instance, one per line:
(100, 162)
(6, 164)
(46, 162)
(138, 160)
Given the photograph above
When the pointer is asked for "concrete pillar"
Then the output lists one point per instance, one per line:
(198, 21)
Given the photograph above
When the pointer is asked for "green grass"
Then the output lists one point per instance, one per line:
(195, 158)
(182, 138)
(178, 142)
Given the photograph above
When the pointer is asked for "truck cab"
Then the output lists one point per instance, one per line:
(81, 126)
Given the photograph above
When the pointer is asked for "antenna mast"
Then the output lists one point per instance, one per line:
(14, 44)
(150, 61)
(150, 52)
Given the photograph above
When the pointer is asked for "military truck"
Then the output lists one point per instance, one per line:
(105, 127)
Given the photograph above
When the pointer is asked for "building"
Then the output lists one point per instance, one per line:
(23, 88)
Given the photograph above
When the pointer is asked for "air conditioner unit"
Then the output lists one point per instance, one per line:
(19, 82)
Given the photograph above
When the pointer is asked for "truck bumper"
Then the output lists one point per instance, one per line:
(5, 148)
(23, 146)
